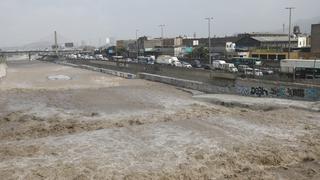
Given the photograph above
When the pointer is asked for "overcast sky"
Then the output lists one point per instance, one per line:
(26, 21)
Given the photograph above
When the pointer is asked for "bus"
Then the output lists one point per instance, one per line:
(302, 68)
(251, 62)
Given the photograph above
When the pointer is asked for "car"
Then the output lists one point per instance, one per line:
(135, 60)
(177, 64)
(267, 71)
(128, 60)
(196, 64)
(241, 68)
(105, 59)
(255, 72)
(258, 72)
(185, 64)
(207, 66)
(146, 60)
(99, 56)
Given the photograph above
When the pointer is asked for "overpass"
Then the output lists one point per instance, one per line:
(44, 52)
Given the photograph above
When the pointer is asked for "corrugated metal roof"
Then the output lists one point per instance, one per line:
(273, 38)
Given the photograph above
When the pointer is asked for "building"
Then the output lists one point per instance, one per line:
(127, 44)
(266, 42)
(218, 44)
(304, 42)
(167, 46)
(150, 44)
(315, 38)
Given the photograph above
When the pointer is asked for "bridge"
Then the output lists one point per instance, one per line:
(43, 51)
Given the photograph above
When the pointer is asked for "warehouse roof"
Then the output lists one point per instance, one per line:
(273, 38)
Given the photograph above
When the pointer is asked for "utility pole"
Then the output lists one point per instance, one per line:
(289, 34)
(314, 69)
(162, 27)
(137, 43)
(56, 42)
(209, 36)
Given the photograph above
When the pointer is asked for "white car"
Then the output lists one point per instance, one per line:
(99, 57)
(177, 64)
(186, 65)
(249, 71)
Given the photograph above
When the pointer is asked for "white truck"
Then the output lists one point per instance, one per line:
(222, 65)
(229, 67)
(169, 60)
(218, 64)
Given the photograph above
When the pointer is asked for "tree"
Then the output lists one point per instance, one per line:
(201, 53)
(122, 52)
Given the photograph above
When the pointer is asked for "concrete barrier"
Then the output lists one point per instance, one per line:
(195, 85)
(102, 70)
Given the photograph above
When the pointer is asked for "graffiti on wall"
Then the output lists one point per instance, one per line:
(312, 93)
(253, 91)
(259, 91)
(243, 91)
(284, 92)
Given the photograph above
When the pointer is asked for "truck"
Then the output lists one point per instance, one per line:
(169, 60)
(229, 67)
(146, 60)
(218, 64)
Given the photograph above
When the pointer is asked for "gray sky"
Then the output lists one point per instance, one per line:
(26, 21)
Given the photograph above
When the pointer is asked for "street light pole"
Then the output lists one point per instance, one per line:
(289, 34)
(209, 36)
(162, 26)
(137, 46)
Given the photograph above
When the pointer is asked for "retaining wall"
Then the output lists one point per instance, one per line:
(249, 87)
(206, 81)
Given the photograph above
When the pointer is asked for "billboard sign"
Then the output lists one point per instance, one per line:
(69, 45)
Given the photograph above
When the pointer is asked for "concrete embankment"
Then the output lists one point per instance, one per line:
(203, 80)
(245, 87)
